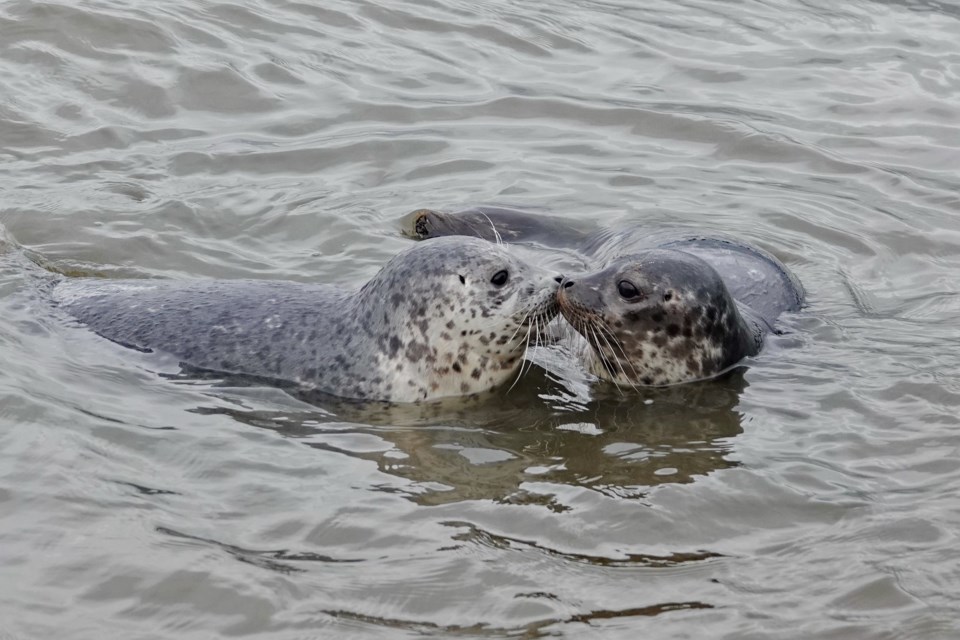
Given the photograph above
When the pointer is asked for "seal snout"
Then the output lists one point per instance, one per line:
(573, 294)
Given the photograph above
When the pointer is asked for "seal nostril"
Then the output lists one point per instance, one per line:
(568, 284)
(559, 279)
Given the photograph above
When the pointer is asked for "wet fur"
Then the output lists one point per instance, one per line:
(430, 324)
(685, 327)
(727, 294)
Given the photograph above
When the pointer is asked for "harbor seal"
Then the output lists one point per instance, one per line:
(656, 307)
(448, 317)
(497, 224)
(657, 318)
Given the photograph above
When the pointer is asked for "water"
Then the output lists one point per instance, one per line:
(812, 496)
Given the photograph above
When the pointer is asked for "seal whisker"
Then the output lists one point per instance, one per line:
(496, 234)
(583, 345)
(524, 321)
(615, 345)
(526, 352)
(603, 359)
(597, 330)
(526, 349)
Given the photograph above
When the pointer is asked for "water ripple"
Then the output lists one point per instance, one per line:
(810, 494)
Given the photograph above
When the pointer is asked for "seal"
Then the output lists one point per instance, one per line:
(658, 318)
(447, 317)
(656, 307)
(496, 224)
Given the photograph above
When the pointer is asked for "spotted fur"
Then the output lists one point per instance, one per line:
(729, 293)
(683, 325)
(430, 324)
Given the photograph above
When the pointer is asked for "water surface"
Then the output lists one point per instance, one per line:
(812, 495)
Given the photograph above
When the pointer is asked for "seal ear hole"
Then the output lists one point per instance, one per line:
(462, 279)
(500, 278)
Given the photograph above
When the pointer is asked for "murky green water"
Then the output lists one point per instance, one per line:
(813, 496)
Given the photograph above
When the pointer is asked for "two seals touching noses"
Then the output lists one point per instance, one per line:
(447, 317)
(656, 307)
(454, 315)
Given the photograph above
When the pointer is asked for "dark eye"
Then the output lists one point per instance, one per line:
(627, 290)
(500, 278)
(668, 296)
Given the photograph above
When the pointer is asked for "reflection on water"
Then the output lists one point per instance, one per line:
(501, 446)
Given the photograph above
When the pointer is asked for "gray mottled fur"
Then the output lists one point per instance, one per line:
(724, 294)
(429, 324)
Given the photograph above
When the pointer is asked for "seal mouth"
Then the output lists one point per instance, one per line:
(607, 348)
(539, 316)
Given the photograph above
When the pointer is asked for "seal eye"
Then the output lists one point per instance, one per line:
(627, 290)
(500, 278)
(668, 296)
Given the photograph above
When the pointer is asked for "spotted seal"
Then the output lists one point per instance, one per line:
(447, 317)
(656, 308)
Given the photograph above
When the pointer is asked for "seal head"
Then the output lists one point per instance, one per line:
(454, 316)
(657, 318)
(496, 224)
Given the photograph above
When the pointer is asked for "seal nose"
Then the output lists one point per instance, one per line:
(561, 290)
(559, 279)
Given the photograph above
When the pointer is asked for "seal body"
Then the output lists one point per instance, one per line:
(656, 307)
(448, 317)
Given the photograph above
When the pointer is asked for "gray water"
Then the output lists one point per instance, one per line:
(813, 495)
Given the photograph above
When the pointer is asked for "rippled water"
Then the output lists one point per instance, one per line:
(813, 496)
